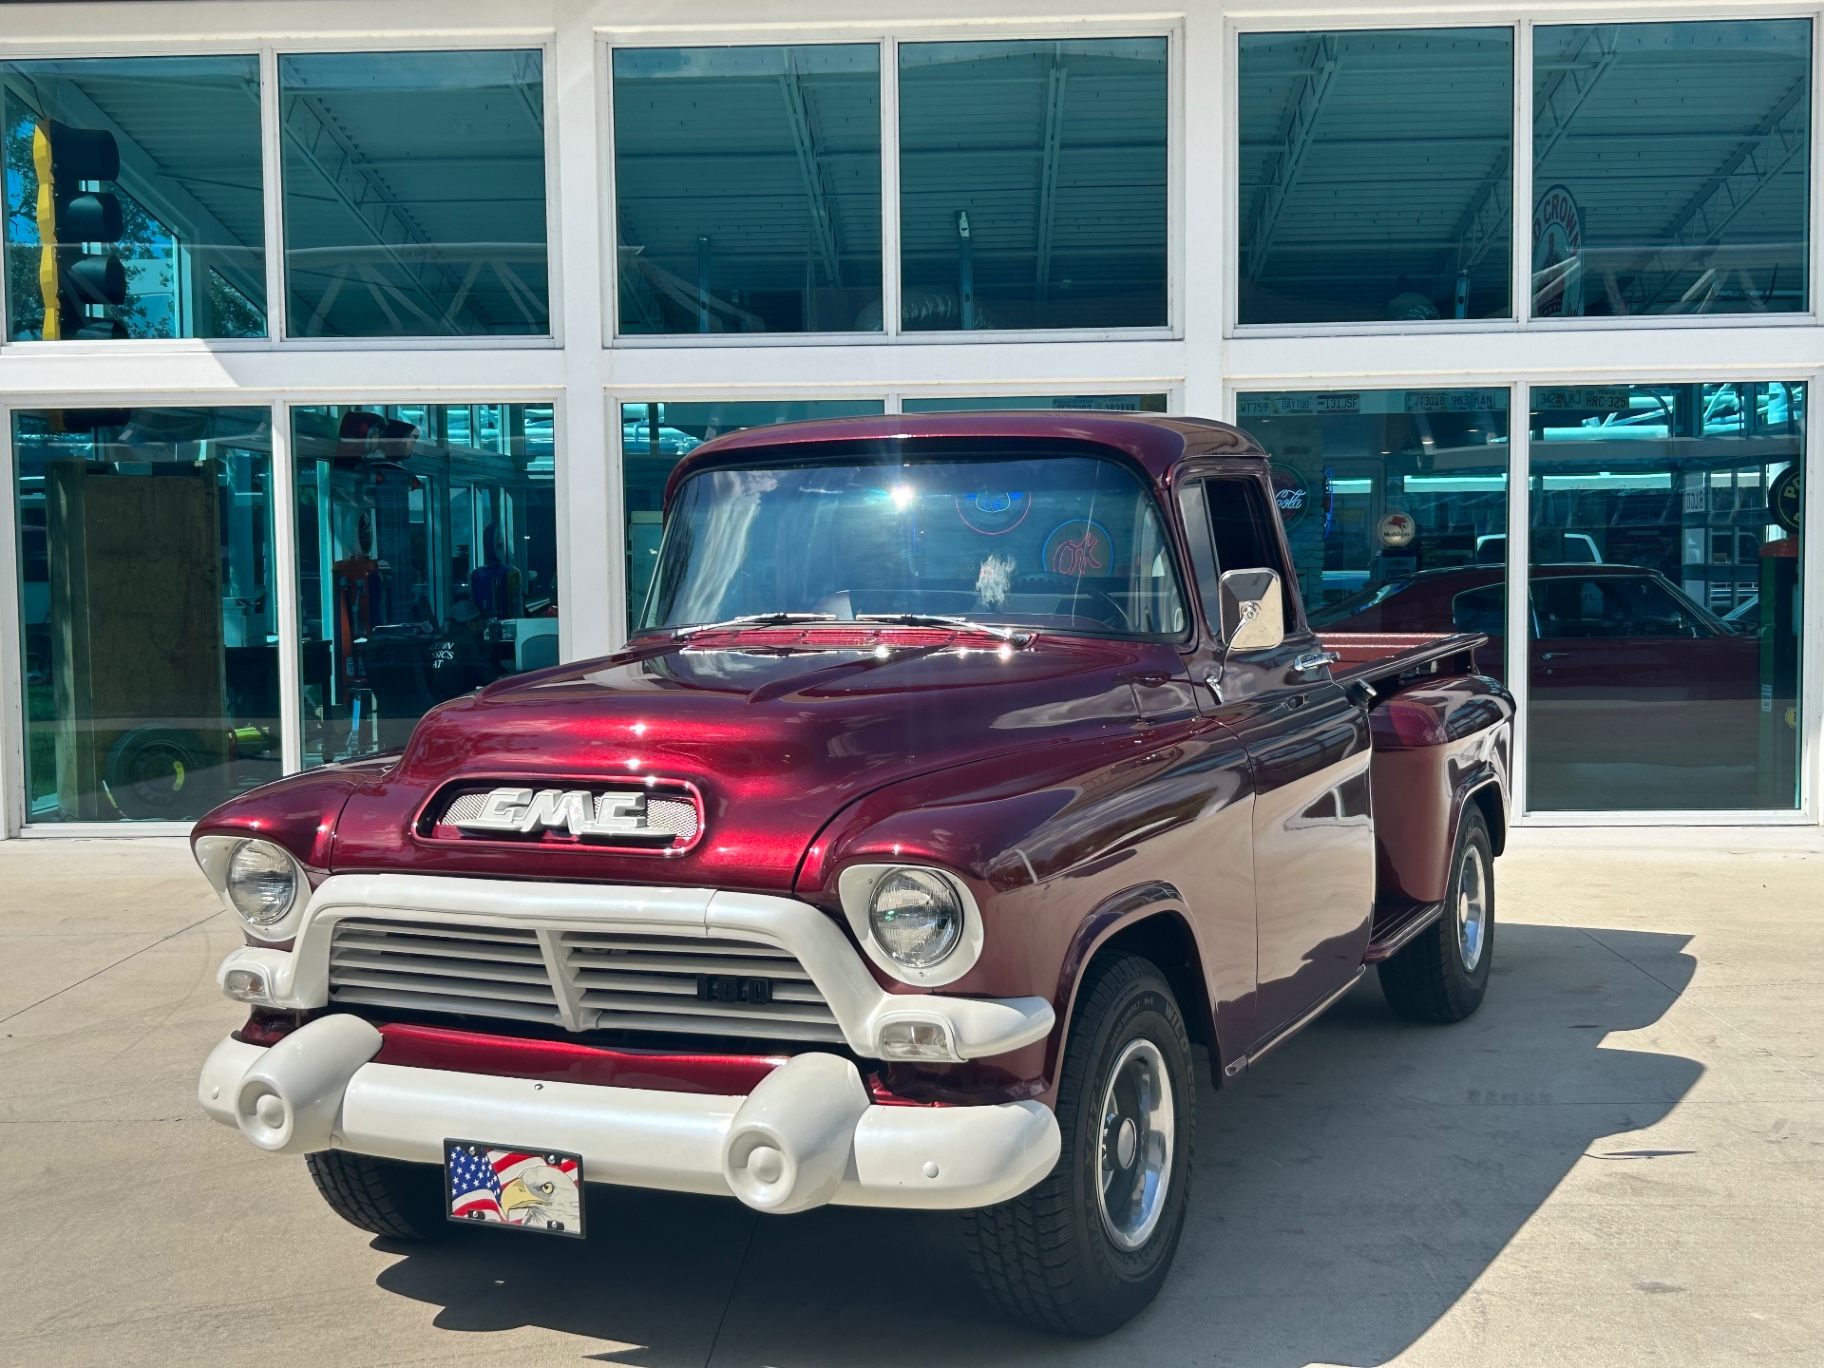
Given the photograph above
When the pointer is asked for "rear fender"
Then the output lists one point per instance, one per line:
(1437, 748)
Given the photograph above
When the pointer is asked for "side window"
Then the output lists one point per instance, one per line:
(1246, 536)
(1193, 507)
(1480, 610)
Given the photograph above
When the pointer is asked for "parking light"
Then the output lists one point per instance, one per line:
(245, 985)
(910, 1038)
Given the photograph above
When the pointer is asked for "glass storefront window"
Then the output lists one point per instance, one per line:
(1671, 168)
(654, 437)
(146, 609)
(133, 198)
(1665, 612)
(1395, 504)
(414, 194)
(1104, 403)
(1033, 184)
(1376, 175)
(427, 561)
(747, 188)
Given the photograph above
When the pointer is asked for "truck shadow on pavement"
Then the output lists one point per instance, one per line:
(1347, 1193)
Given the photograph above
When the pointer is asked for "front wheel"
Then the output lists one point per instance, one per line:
(1442, 974)
(398, 1200)
(1088, 1248)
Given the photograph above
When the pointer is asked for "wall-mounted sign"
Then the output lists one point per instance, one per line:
(1592, 398)
(1298, 405)
(1291, 493)
(1078, 549)
(1397, 530)
(1784, 498)
(1557, 256)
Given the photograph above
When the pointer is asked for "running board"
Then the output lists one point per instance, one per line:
(1303, 1019)
(1401, 928)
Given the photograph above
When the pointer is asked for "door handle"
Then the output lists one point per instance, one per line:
(1314, 660)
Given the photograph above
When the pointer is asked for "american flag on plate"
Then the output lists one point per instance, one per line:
(532, 1189)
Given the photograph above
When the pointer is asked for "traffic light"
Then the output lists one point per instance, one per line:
(75, 215)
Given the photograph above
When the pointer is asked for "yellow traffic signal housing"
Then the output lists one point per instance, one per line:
(75, 214)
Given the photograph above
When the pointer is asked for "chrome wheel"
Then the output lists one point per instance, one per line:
(1134, 1159)
(1472, 906)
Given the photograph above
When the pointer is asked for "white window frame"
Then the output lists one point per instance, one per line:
(1202, 360)
(1811, 699)
(889, 36)
(1522, 24)
(284, 565)
(268, 52)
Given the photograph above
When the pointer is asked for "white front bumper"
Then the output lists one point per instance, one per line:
(919, 1157)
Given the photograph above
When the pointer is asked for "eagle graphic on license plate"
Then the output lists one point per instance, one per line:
(538, 1190)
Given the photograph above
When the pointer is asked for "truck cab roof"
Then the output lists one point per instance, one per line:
(1154, 442)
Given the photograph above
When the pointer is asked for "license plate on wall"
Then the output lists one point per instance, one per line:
(507, 1185)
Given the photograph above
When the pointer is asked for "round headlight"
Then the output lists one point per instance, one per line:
(916, 917)
(262, 882)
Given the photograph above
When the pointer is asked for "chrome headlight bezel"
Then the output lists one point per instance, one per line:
(215, 855)
(857, 884)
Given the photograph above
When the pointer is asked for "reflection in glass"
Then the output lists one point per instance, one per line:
(1095, 403)
(1665, 597)
(1033, 184)
(427, 561)
(148, 623)
(1395, 504)
(1376, 175)
(747, 188)
(1671, 167)
(414, 194)
(133, 198)
(1069, 543)
(655, 436)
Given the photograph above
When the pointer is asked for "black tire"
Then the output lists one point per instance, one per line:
(161, 772)
(1432, 978)
(1048, 1256)
(398, 1200)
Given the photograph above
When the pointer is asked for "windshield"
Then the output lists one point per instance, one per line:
(1070, 543)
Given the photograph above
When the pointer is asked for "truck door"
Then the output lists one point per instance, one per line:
(1308, 745)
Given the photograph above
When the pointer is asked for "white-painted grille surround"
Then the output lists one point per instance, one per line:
(581, 979)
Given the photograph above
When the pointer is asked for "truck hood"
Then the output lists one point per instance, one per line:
(775, 739)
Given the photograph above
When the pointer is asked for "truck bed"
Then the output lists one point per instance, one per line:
(1439, 731)
(1380, 658)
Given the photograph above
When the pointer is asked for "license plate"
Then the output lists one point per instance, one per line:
(539, 1190)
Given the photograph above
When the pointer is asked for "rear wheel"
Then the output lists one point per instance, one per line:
(398, 1200)
(1442, 974)
(1089, 1247)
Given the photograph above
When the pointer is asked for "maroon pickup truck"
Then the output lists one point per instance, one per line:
(962, 773)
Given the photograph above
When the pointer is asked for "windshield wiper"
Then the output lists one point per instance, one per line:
(755, 620)
(937, 620)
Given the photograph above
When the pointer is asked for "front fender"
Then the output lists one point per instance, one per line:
(298, 812)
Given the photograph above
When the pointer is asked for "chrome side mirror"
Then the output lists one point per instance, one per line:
(1253, 618)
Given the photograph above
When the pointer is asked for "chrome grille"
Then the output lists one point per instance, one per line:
(607, 980)
(651, 982)
(435, 967)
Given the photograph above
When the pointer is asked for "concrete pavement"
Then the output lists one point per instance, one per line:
(1620, 1160)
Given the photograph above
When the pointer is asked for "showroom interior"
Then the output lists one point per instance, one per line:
(344, 369)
